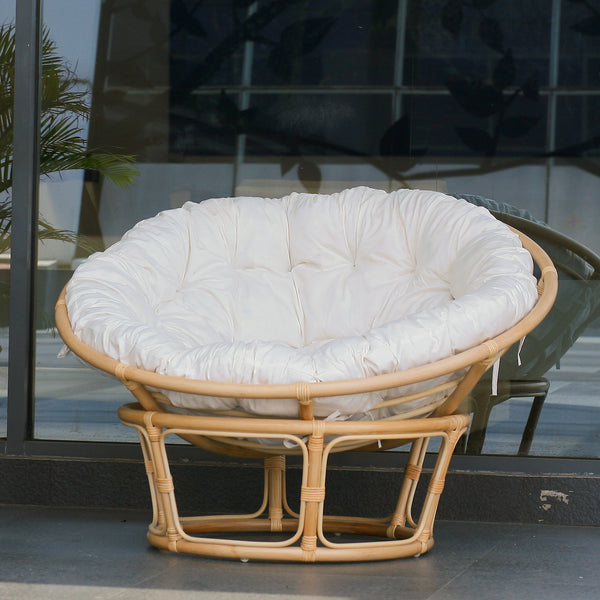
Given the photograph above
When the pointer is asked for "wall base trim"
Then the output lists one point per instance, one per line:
(468, 496)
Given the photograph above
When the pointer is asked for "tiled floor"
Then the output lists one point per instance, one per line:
(67, 554)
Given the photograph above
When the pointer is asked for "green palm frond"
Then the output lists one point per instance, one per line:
(64, 104)
(119, 171)
(45, 231)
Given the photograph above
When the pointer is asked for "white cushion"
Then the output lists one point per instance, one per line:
(304, 288)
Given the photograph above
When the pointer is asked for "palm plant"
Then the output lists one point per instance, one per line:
(62, 147)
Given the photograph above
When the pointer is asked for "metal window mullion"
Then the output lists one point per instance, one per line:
(552, 98)
(21, 360)
(244, 100)
(401, 14)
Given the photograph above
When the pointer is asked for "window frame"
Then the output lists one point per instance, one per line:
(21, 365)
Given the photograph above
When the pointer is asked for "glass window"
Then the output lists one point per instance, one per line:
(579, 45)
(7, 63)
(342, 42)
(206, 43)
(443, 126)
(72, 402)
(577, 127)
(452, 39)
(317, 124)
(494, 98)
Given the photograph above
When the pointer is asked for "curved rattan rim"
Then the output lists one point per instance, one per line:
(486, 351)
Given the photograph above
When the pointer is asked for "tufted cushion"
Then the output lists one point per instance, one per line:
(303, 288)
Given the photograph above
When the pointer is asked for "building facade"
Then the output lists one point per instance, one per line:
(493, 98)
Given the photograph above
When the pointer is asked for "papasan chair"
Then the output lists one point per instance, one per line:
(305, 325)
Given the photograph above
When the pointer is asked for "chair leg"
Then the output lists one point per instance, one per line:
(481, 416)
(530, 426)
(422, 527)
(436, 487)
(313, 495)
(158, 511)
(274, 476)
(412, 474)
(169, 522)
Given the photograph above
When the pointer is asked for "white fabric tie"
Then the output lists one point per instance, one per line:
(519, 351)
(495, 373)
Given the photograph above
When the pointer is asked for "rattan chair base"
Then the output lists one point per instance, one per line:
(313, 536)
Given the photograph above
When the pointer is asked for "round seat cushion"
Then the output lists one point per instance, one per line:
(305, 288)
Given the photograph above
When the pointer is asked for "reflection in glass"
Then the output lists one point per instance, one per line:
(264, 98)
(64, 159)
(206, 43)
(317, 124)
(451, 126)
(308, 43)
(7, 63)
(580, 45)
(446, 39)
(529, 370)
(577, 126)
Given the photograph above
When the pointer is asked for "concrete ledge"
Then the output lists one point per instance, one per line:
(236, 487)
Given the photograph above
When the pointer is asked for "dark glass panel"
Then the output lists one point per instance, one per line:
(577, 126)
(344, 42)
(580, 44)
(204, 125)
(318, 124)
(454, 39)
(442, 127)
(206, 44)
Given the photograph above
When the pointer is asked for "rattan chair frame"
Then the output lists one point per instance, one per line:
(403, 533)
